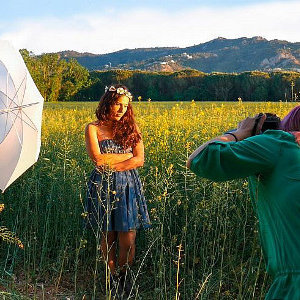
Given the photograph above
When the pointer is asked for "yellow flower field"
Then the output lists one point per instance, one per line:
(203, 243)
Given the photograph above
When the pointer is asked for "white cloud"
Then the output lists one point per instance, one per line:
(112, 31)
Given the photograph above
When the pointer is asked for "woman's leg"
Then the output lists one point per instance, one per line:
(126, 248)
(126, 257)
(108, 246)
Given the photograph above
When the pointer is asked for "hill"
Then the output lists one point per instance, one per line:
(218, 55)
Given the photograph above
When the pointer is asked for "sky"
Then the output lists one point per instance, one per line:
(99, 26)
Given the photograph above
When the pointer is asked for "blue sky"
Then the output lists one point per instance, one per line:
(99, 26)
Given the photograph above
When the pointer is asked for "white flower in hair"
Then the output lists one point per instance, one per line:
(128, 94)
(119, 90)
(110, 89)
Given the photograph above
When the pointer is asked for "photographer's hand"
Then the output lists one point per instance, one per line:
(245, 127)
(243, 131)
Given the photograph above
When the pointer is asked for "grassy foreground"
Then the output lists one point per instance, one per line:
(203, 243)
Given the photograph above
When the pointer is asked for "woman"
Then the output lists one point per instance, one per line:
(272, 162)
(115, 204)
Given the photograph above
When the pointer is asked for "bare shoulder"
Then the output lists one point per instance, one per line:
(91, 127)
(99, 131)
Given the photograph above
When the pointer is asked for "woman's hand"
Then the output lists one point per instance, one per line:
(246, 126)
(134, 162)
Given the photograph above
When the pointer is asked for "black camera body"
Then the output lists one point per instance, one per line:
(272, 122)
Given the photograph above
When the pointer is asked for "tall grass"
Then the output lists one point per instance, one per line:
(203, 243)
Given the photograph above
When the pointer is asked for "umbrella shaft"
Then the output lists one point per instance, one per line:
(7, 110)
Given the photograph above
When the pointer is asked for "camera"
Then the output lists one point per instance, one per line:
(272, 122)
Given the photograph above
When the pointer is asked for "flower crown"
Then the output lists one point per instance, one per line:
(119, 90)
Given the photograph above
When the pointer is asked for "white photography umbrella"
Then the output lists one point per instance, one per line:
(21, 106)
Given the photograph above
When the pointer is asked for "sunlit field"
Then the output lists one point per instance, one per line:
(203, 243)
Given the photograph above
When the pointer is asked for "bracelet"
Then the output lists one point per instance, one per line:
(232, 135)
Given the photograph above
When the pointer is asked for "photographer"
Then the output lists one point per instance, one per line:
(272, 162)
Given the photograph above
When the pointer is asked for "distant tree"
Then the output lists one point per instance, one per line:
(28, 58)
(49, 75)
(91, 92)
(56, 78)
(253, 86)
(74, 78)
(219, 86)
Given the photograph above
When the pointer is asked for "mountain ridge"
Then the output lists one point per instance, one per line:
(218, 55)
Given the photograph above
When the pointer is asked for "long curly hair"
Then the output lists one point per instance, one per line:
(125, 130)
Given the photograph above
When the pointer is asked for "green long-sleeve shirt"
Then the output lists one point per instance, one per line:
(272, 163)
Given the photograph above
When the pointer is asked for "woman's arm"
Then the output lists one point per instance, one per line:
(93, 149)
(243, 131)
(136, 161)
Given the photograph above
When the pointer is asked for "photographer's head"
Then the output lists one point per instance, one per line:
(291, 122)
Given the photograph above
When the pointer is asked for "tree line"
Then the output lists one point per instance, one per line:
(62, 80)
(56, 78)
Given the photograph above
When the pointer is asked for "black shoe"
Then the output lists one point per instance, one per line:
(117, 285)
(113, 286)
(126, 285)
